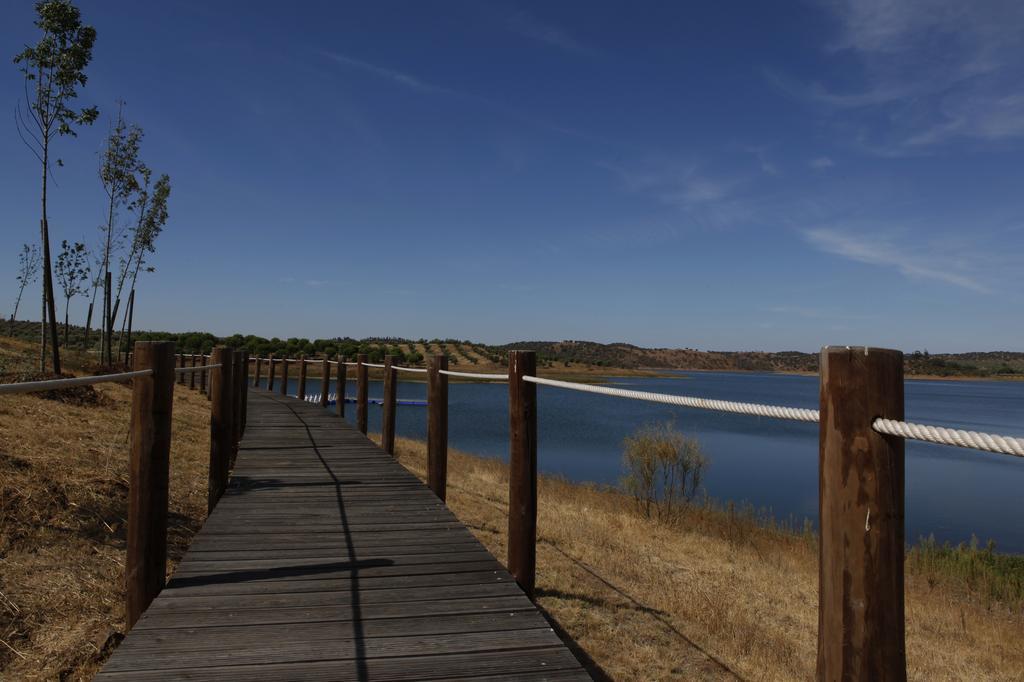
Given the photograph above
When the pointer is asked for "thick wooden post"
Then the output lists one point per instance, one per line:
(362, 392)
(522, 502)
(149, 463)
(437, 426)
(389, 407)
(192, 375)
(243, 390)
(342, 381)
(202, 376)
(325, 381)
(256, 378)
(270, 373)
(861, 618)
(238, 381)
(221, 429)
(181, 363)
(284, 376)
(301, 393)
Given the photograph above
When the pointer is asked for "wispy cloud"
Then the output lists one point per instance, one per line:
(937, 70)
(909, 260)
(531, 27)
(821, 163)
(398, 77)
(316, 283)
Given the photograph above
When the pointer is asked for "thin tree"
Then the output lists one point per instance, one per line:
(28, 271)
(117, 174)
(55, 68)
(153, 214)
(72, 275)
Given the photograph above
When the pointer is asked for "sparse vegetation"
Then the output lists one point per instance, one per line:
(664, 469)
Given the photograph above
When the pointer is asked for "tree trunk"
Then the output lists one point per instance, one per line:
(67, 309)
(131, 312)
(42, 334)
(107, 358)
(88, 322)
(48, 303)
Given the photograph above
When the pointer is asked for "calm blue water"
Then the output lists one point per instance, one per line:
(771, 464)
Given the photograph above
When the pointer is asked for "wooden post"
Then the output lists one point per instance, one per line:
(243, 390)
(181, 364)
(149, 463)
(284, 376)
(270, 373)
(389, 407)
(522, 507)
(301, 392)
(861, 618)
(221, 429)
(192, 375)
(256, 378)
(437, 426)
(202, 376)
(342, 381)
(362, 392)
(236, 403)
(325, 382)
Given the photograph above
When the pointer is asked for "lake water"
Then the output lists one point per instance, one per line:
(771, 464)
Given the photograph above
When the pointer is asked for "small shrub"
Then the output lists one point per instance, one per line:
(664, 470)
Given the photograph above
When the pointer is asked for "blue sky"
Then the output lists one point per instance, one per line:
(713, 175)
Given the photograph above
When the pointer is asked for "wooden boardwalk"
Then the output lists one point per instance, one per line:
(327, 560)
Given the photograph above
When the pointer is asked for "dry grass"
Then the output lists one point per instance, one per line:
(715, 596)
(63, 503)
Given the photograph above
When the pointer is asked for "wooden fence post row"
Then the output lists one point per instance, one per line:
(861, 621)
(192, 374)
(202, 376)
(256, 378)
(149, 461)
(522, 501)
(243, 395)
(301, 392)
(284, 376)
(389, 406)
(270, 373)
(362, 392)
(342, 381)
(325, 381)
(221, 428)
(437, 426)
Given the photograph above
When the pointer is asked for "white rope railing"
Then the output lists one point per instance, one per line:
(472, 375)
(351, 364)
(773, 411)
(200, 368)
(370, 364)
(988, 442)
(54, 384)
(419, 370)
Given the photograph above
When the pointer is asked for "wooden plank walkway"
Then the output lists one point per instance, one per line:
(327, 560)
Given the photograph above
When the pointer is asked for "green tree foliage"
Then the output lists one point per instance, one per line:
(72, 275)
(54, 69)
(28, 272)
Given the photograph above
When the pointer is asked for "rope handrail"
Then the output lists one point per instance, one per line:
(53, 384)
(472, 375)
(351, 364)
(198, 368)
(774, 411)
(370, 364)
(409, 369)
(1007, 445)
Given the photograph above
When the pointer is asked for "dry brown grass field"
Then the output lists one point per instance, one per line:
(712, 596)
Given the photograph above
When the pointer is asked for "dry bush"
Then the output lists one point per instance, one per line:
(664, 469)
